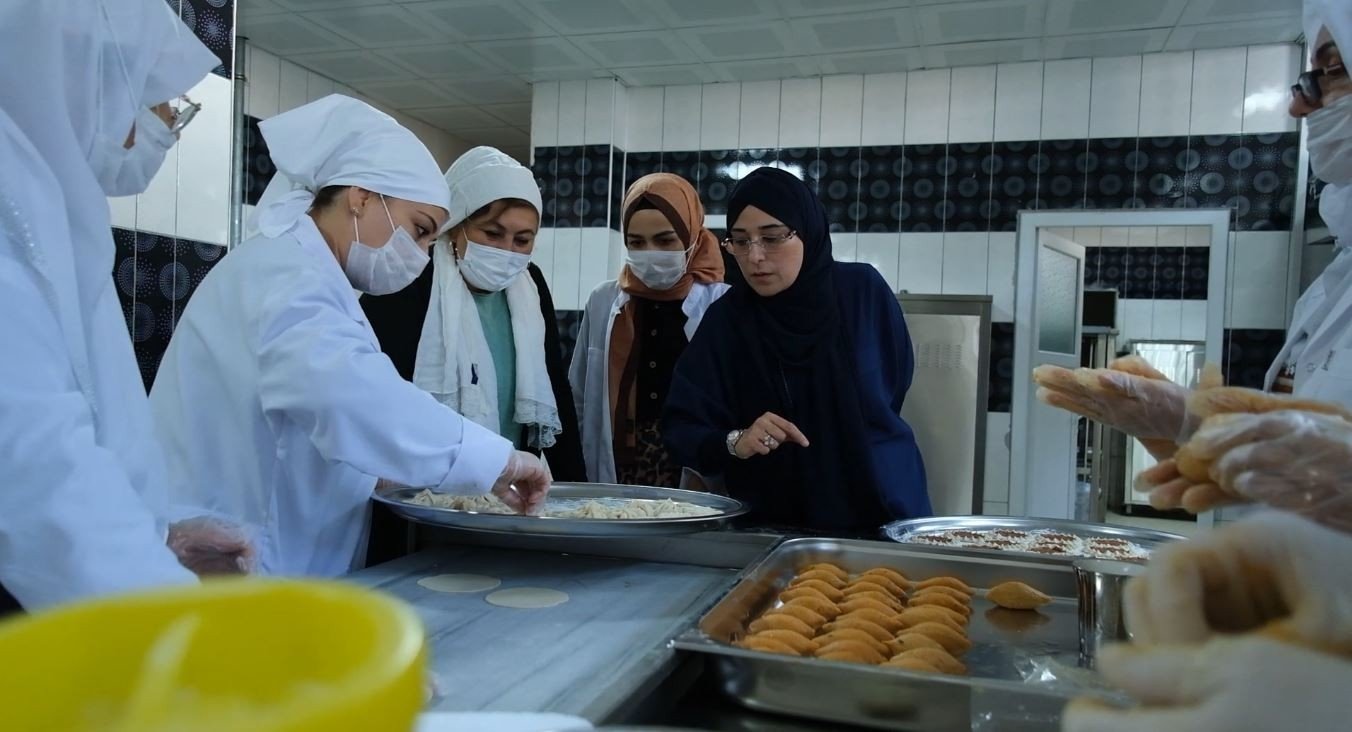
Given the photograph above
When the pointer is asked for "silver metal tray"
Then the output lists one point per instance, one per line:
(561, 494)
(901, 531)
(992, 696)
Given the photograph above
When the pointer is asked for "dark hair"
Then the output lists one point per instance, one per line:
(327, 196)
(503, 204)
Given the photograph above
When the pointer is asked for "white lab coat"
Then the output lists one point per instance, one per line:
(589, 374)
(277, 409)
(1319, 341)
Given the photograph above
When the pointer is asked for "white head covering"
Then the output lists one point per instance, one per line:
(1335, 201)
(484, 175)
(340, 141)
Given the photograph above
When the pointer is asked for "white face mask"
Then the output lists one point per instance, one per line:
(388, 269)
(1330, 141)
(491, 269)
(657, 269)
(123, 171)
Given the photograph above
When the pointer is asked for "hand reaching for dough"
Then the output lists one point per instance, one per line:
(1275, 573)
(211, 546)
(1227, 685)
(524, 483)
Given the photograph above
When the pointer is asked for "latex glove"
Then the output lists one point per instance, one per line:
(1228, 685)
(212, 546)
(1169, 488)
(524, 483)
(1276, 572)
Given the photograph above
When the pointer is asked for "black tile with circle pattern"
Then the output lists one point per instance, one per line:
(715, 184)
(1000, 389)
(571, 162)
(968, 187)
(1014, 180)
(881, 168)
(838, 173)
(1248, 352)
(1061, 177)
(1110, 178)
(213, 22)
(922, 187)
(545, 166)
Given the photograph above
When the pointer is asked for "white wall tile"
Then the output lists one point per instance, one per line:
(1166, 94)
(965, 256)
(1115, 97)
(264, 83)
(620, 122)
(991, 508)
(645, 118)
(884, 109)
(1267, 88)
(572, 112)
(295, 87)
(844, 247)
(202, 203)
(1137, 320)
(1193, 320)
(1000, 264)
(1171, 236)
(720, 116)
(567, 269)
(122, 211)
(842, 110)
(1142, 236)
(927, 99)
(1088, 236)
(1218, 91)
(881, 251)
(1115, 236)
(616, 258)
(921, 267)
(1167, 324)
(1065, 99)
(317, 86)
(681, 117)
(971, 110)
(543, 257)
(1258, 289)
(544, 114)
(759, 122)
(594, 266)
(1018, 101)
(800, 112)
(598, 124)
(996, 488)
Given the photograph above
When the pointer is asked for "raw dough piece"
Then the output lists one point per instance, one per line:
(527, 598)
(459, 583)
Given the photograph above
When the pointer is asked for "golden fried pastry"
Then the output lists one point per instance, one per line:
(868, 603)
(861, 650)
(886, 620)
(939, 659)
(789, 638)
(810, 617)
(855, 634)
(821, 575)
(910, 641)
(943, 601)
(831, 593)
(1015, 621)
(878, 597)
(1016, 596)
(826, 567)
(794, 593)
(958, 595)
(897, 578)
(813, 602)
(780, 621)
(952, 582)
(877, 631)
(930, 614)
(869, 581)
(910, 664)
(847, 657)
(1238, 400)
(767, 645)
(953, 641)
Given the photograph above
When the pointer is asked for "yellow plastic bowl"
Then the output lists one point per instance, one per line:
(250, 654)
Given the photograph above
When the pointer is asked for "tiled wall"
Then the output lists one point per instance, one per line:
(923, 173)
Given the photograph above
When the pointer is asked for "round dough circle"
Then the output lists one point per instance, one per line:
(459, 583)
(527, 598)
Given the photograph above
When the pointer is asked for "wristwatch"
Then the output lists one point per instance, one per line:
(734, 437)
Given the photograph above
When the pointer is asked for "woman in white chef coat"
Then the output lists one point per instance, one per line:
(635, 328)
(82, 477)
(275, 404)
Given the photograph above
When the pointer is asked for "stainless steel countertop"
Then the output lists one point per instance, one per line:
(589, 656)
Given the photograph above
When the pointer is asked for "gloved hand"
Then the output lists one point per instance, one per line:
(524, 483)
(1227, 685)
(1276, 573)
(211, 546)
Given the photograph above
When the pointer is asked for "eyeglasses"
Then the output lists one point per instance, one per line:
(1307, 84)
(183, 114)
(769, 243)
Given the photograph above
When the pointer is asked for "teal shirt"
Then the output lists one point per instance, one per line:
(496, 319)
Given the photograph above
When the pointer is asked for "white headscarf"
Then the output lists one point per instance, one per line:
(1335, 201)
(454, 363)
(340, 141)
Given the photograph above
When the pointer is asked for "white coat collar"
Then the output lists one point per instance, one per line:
(312, 243)
(700, 297)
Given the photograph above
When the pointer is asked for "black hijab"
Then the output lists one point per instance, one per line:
(800, 363)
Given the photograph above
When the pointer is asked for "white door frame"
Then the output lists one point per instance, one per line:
(1026, 282)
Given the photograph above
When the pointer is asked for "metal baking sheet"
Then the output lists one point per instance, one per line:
(560, 496)
(888, 698)
(901, 531)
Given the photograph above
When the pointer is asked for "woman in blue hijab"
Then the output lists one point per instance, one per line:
(792, 388)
